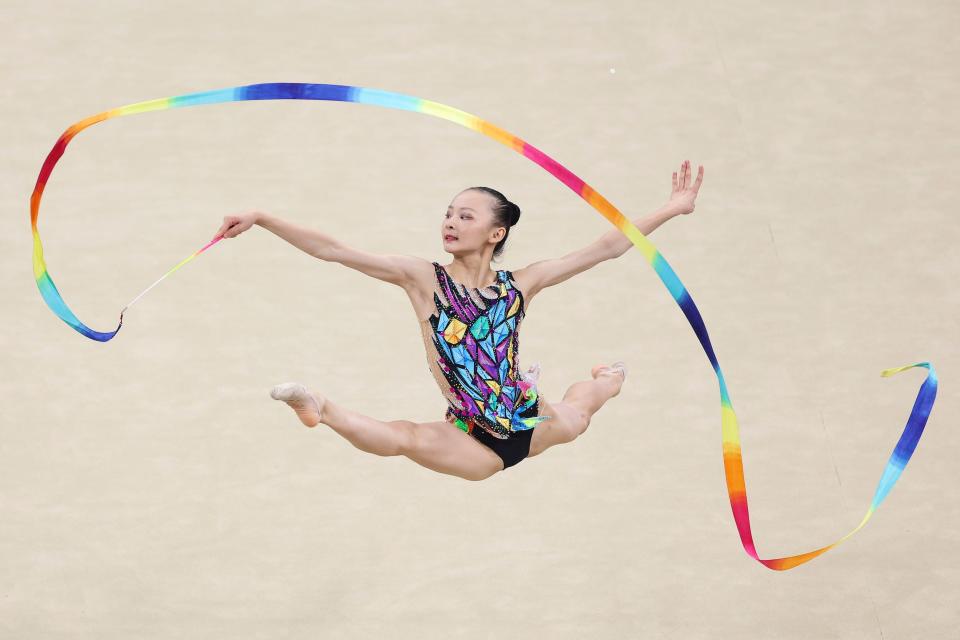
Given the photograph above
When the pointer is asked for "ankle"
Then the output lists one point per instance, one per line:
(327, 409)
(611, 381)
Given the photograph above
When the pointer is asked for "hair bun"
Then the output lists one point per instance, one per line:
(514, 214)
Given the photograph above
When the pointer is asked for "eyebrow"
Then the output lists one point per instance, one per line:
(461, 209)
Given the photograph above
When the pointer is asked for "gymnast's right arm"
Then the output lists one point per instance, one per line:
(395, 269)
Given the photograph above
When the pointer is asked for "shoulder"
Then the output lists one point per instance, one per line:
(421, 273)
(525, 283)
(421, 284)
(523, 280)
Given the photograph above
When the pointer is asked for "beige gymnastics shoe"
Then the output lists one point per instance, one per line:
(309, 406)
(618, 367)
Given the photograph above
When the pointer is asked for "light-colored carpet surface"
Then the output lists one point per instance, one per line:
(150, 487)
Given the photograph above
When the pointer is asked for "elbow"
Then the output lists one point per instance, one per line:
(328, 252)
(615, 248)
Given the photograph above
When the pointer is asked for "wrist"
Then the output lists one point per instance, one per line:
(671, 210)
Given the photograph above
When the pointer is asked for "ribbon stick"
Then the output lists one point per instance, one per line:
(732, 460)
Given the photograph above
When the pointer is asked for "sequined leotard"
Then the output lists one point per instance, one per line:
(475, 344)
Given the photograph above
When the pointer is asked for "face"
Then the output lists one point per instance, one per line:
(469, 220)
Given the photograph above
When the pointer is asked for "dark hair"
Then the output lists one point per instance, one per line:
(505, 214)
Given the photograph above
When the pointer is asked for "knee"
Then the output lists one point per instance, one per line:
(405, 440)
(573, 421)
(581, 423)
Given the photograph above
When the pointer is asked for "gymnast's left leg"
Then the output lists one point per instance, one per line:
(571, 416)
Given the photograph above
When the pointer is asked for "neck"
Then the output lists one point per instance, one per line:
(472, 271)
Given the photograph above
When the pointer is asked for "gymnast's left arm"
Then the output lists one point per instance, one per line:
(683, 195)
(613, 244)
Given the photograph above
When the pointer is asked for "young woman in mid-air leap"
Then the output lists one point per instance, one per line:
(470, 318)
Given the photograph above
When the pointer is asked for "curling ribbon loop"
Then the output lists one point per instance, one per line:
(732, 460)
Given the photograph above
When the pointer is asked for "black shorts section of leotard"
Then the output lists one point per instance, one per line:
(511, 450)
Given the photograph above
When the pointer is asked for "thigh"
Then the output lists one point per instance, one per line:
(444, 447)
(563, 426)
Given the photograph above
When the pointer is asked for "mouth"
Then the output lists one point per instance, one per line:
(448, 238)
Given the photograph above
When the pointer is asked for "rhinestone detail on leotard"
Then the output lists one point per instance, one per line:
(477, 345)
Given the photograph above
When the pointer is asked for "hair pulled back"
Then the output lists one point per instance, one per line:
(505, 214)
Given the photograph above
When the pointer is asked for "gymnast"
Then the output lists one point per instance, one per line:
(470, 319)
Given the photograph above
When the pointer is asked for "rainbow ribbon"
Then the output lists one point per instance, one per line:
(732, 459)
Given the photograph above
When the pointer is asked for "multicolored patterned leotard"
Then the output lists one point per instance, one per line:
(477, 347)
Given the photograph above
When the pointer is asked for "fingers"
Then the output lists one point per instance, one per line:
(230, 228)
(224, 230)
(699, 181)
(680, 178)
(685, 178)
(674, 183)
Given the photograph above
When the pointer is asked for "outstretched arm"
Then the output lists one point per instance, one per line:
(613, 244)
(395, 269)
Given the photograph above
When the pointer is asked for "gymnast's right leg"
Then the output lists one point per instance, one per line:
(439, 446)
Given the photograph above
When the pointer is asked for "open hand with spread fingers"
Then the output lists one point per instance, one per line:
(685, 189)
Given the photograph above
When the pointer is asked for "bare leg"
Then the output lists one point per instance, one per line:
(571, 416)
(439, 446)
(590, 395)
